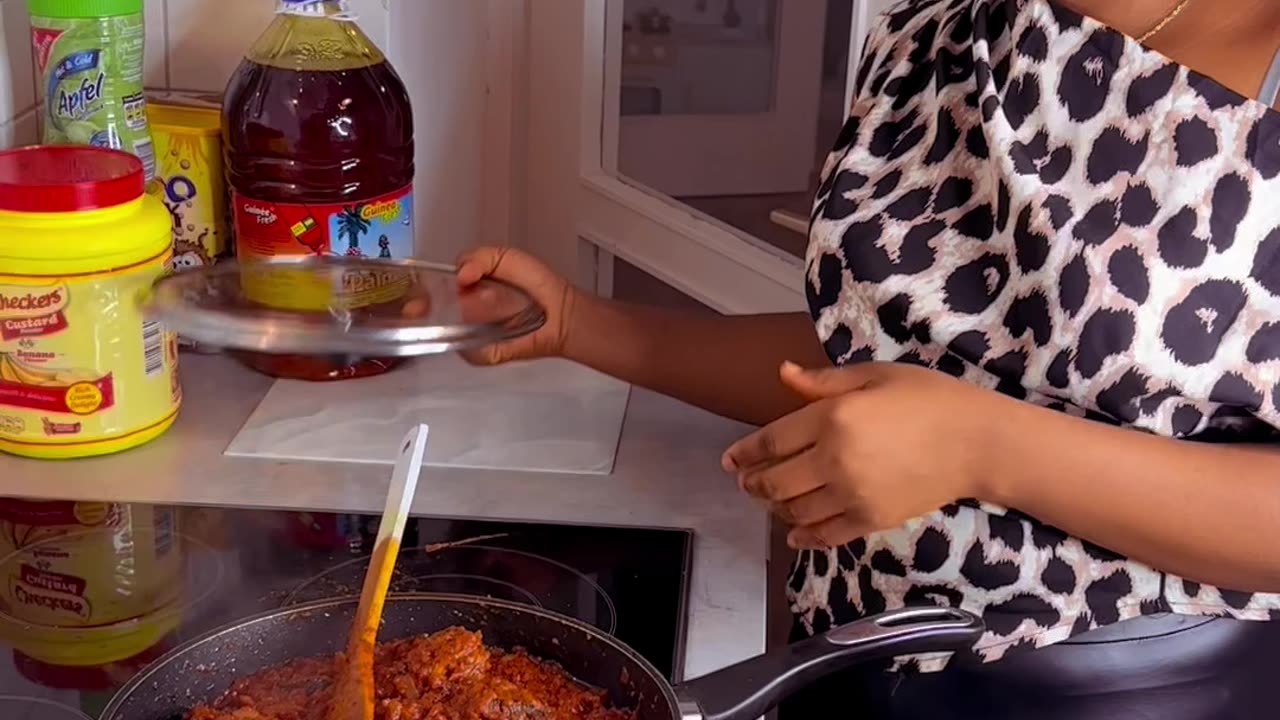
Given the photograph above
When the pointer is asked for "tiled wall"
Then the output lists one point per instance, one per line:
(191, 45)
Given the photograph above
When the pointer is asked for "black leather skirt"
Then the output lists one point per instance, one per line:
(1166, 667)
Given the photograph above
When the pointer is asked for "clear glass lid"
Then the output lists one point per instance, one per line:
(339, 306)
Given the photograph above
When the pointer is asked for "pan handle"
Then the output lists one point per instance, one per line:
(750, 689)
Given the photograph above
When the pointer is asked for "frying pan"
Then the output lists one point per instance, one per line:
(202, 669)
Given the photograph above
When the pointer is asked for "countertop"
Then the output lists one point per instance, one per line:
(667, 475)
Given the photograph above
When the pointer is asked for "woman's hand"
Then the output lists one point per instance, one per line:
(877, 445)
(555, 294)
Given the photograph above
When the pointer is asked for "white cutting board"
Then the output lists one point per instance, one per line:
(545, 415)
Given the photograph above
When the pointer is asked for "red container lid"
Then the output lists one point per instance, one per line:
(68, 178)
(89, 677)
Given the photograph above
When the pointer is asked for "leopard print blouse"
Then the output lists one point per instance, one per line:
(1035, 203)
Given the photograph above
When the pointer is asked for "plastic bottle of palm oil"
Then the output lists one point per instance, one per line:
(318, 136)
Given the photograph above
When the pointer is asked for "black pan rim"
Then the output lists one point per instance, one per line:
(112, 708)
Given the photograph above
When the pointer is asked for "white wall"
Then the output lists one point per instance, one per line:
(183, 51)
(191, 45)
(17, 91)
(455, 56)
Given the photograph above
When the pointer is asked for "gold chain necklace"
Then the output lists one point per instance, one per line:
(1173, 15)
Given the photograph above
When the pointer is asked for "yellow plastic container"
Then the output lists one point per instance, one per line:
(189, 180)
(82, 372)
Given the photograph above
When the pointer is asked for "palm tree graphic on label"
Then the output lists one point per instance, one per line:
(351, 225)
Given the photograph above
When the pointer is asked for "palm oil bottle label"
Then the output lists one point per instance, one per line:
(378, 228)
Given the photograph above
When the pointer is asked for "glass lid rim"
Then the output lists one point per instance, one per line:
(277, 331)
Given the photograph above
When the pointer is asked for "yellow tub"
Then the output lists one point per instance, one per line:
(82, 372)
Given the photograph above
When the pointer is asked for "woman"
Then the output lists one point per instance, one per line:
(1044, 256)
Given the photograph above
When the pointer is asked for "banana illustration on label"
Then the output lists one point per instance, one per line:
(53, 390)
(13, 370)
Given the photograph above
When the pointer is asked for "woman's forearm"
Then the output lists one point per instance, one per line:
(1210, 513)
(725, 364)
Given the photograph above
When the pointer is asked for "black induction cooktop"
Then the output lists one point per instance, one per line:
(630, 582)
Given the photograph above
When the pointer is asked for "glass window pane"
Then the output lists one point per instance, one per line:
(730, 106)
(698, 57)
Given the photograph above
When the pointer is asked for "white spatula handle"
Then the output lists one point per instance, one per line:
(404, 481)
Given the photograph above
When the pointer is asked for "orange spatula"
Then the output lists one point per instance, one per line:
(353, 693)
